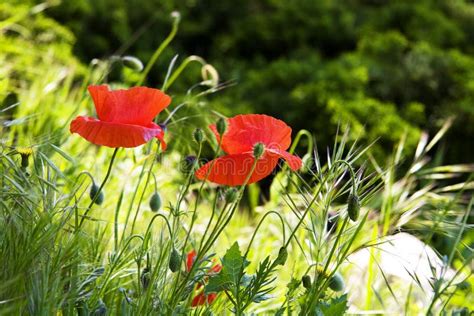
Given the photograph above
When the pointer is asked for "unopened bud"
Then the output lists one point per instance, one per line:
(336, 282)
(258, 150)
(282, 256)
(95, 195)
(133, 63)
(306, 281)
(176, 16)
(188, 164)
(175, 260)
(198, 135)
(353, 207)
(221, 126)
(155, 202)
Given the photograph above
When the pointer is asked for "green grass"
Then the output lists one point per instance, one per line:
(116, 259)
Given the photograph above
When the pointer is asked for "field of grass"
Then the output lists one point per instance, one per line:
(346, 234)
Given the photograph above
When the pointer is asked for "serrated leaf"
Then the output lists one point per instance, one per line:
(335, 307)
(233, 263)
(229, 277)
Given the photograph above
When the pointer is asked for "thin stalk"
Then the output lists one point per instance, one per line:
(84, 216)
(159, 50)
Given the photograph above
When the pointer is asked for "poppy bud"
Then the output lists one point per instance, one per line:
(258, 150)
(188, 164)
(155, 202)
(336, 282)
(306, 281)
(282, 256)
(133, 63)
(175, 260)
(145, 278)
(198, 135)
(221, 126)
(231, 195)
(101, 310)
(176, 15)
(95, 195)
(353, 207)
(162, 126)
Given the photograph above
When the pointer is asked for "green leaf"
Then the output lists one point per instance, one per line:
(233, 263)
(261, 297)
(218, 283)
(229, 277)
(335, 307)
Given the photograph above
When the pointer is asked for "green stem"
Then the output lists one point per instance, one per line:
(84, 216)
(159, 50)
(308, 208)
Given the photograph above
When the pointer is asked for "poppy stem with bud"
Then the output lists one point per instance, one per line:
(107, 175)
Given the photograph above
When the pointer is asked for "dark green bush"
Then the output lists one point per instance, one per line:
(384, 67)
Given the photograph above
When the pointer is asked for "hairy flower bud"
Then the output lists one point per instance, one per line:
(336, 282)
(282, 256)
(176, 15)
(198, 135)
(353, 207)
(306, 281)
(258, 150)
(155, 202)
(133, 63)
(175, 260)
(95, 195)
(188, 164)
(221, 126)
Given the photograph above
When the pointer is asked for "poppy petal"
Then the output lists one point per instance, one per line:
(244, 131)
(198, 300)
(215, 269)
(115, 134)
(135, 106)
(211, 298)
(233, 170)
(190, 259)
(294, 162)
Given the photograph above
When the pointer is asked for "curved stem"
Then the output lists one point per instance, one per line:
(180, 69)
(159, 50)
(258, 226)
(145, 241)
(84, 216)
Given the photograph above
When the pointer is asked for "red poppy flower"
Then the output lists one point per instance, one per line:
(125, 117)
(243, 133)
(201, 298)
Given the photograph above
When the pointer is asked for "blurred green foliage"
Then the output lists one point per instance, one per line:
(384, 68)
(37, 68)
